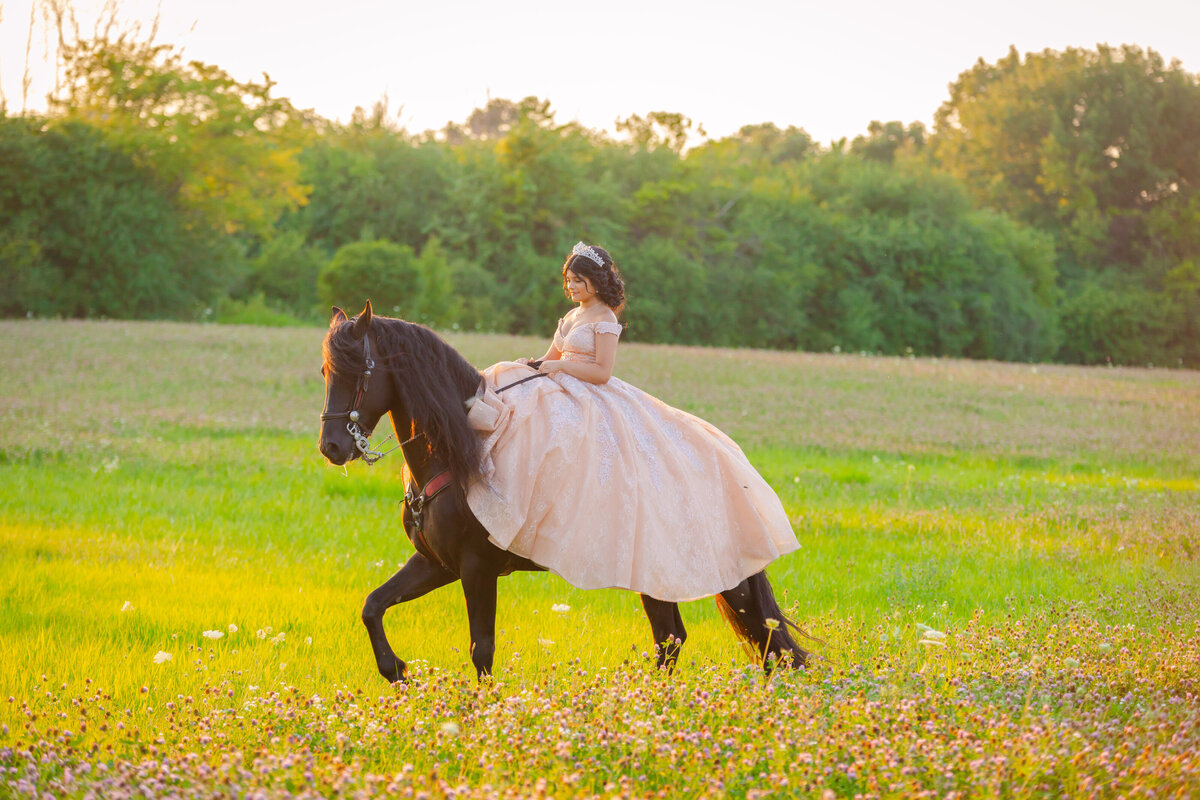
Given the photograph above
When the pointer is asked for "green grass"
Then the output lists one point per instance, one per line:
(1044, 518)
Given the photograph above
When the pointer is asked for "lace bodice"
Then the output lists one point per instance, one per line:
(579, 341)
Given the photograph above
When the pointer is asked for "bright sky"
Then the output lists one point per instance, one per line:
(828, 67)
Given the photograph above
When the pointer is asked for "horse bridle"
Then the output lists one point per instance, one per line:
(362, 439)
(415, 496)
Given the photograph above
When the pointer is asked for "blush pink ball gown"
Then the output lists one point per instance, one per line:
(608, 486)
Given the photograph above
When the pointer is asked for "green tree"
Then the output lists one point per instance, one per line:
(87, 231)
(1101, 149)
(1087, 144)
(383, 272)
(285, 272)
(225, 148)
(884, 140)
(667, 129)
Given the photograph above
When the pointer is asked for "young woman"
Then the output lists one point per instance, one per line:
(606, 485)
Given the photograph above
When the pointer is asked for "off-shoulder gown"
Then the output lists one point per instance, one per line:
(608, 486)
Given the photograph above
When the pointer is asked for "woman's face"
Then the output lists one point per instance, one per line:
(578, 287)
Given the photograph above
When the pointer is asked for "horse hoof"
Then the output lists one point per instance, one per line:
(397, 674)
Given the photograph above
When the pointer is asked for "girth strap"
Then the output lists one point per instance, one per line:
(416, 501)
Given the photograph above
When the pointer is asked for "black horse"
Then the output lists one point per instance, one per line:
(376, 365)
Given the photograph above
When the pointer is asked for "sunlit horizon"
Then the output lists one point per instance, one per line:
(800, 64)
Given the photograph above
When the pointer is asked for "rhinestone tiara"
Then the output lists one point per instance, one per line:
(581, 249)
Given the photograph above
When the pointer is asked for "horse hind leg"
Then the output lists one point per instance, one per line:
(479, 590)
(417, 577)
(667, 626)
(752, 611)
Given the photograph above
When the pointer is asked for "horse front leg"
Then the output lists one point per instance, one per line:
(667, 626)
(418, 576)
(479, 588)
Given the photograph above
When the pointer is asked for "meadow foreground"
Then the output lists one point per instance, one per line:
(1000, 559)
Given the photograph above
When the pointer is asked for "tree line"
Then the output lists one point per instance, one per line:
(1052, 213)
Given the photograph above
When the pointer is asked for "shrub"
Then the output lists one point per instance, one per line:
(383, 272)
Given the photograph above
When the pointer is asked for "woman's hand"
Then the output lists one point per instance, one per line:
(551, 366)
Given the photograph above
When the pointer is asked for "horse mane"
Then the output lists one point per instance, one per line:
(432, 378)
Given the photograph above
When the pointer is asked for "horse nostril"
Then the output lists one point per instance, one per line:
(331, 450)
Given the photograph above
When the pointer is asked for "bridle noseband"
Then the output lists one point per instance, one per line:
(362, 438)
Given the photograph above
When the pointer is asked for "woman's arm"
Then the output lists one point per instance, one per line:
(597, 373)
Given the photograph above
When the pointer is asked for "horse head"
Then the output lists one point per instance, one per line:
(356, 393)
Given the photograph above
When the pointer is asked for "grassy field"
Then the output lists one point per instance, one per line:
(1001, 561)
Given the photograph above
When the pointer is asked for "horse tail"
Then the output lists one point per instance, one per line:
(740, 630)
(761, 624)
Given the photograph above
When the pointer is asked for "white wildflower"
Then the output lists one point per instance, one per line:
(233, 628)
(450, 728)
(772, 624)
(277, 640)
(308, 641)
(928, 632)
(213, 634)
(127, 607)
(561, 608)
(260, 633)
(160, 657)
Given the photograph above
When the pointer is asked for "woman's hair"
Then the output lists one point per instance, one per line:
(606, 279)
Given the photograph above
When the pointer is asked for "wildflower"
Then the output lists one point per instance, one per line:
(546, 642)
(933, 642)
(772, 624)
(282, 667)
(233, 628)
(450, 728)
(212, 634)
(277, 640)
(260, 633)
(160, 657)
(1071, 662)
(308, 641)
(127, 607)
(252, 688)
(1105, 648)
(561, 608)
(929, 633)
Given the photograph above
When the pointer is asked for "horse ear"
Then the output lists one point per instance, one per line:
(362, 323)
(338, 318)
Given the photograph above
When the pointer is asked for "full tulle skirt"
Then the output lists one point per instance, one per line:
(608, 486)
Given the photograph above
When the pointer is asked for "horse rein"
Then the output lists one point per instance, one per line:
(535, 365)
